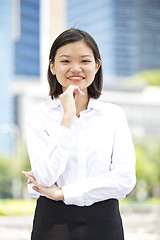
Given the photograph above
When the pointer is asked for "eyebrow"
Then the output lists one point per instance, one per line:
(86, 55)
(63, 55)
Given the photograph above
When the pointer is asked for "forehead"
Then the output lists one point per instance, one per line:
(78, 48)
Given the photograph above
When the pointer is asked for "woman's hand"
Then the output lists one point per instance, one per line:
(53, 192)
(68, 99)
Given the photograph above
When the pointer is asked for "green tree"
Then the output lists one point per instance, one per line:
(12, 182)
(148, 164)
(5, 177)
(149, 77)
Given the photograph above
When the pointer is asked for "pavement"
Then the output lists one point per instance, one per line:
(15, 227)
(140, 223)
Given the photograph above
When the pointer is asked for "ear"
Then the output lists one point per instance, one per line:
(98, 64)
(52, 67)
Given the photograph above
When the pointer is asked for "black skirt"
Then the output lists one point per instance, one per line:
(58, 221)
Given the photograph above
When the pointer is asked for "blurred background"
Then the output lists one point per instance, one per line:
(128, 36)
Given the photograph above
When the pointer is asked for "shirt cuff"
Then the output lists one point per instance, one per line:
(73, 195)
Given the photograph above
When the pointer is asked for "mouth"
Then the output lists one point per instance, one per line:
(75, 78)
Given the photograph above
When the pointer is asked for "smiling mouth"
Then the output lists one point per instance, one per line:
(75, 78)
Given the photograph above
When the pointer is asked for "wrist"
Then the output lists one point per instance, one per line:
(69, 114)
(67, 119)
(60, 195)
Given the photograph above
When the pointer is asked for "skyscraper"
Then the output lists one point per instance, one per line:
(26, 53)
(19, 48)
(149, 34)
(127, 32)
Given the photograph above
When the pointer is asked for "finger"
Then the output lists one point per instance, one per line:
(28, 181)
(35, 188)
(31, 179)
(74, 89)
(34, 181)
(77, 92)
(32, 174)
(23, 173)
(27, 173)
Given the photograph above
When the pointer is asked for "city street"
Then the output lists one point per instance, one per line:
(141, 222)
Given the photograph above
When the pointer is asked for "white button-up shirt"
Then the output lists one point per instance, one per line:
(93, 161)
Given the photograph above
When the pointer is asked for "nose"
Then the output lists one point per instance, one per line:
(75, 68)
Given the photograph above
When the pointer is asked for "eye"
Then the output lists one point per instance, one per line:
(65, 61)
(86, 61)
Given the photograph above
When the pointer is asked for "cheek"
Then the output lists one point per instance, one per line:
(60, 72)
(59, 76)
(91, 71)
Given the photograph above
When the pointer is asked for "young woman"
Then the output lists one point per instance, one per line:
(80, 149)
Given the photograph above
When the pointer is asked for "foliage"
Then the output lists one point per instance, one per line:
(17, 207)
(12, 182)
(26, 207)
(148, 165)
(145, 168)
(150, 77)
(5, 176)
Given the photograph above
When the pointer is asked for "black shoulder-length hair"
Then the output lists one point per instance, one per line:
(69, 36)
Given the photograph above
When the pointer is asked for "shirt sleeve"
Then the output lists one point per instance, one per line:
(48, 150)
(117, 182)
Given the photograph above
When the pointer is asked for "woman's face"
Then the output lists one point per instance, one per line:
(75, 64)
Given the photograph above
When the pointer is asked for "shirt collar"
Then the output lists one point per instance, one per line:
(55, 103)
(93, 104)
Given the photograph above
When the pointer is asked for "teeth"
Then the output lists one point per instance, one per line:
(76, 77)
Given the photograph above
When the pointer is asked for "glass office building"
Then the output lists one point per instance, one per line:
(127, 32)
(27, 47)
(149, 34)
(19, 48)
